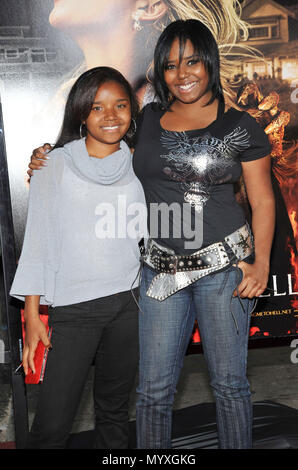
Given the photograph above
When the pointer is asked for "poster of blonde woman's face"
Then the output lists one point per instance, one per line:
(78, 13)
(116, 33)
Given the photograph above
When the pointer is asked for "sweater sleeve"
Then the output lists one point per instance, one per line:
(38, 263)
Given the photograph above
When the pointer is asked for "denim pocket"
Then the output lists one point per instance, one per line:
(148, 275)
(239, 278)
(240, 275)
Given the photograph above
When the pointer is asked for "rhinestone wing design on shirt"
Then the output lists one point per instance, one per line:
(199, 163)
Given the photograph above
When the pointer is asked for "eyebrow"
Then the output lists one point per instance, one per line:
(120, 99)
(184, 58)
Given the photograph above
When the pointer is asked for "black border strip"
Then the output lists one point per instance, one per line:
(13, 316)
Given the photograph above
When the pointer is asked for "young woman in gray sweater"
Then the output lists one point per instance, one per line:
(81, 257)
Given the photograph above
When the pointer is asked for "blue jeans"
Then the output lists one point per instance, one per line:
(165, 329)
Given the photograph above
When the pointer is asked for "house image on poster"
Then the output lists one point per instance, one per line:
(29, 60)
(273, 31)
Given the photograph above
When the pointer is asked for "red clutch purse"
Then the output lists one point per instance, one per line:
(41, 354)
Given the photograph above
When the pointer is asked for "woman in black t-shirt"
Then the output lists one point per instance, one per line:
(190, 151)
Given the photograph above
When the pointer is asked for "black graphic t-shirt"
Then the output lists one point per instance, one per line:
(188, 177)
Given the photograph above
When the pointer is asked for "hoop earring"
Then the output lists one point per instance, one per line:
(170, 97)
(131, 133)
(136, 17)
(81, 127)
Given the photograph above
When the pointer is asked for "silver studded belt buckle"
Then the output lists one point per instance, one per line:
(241, 242)
(162, 261)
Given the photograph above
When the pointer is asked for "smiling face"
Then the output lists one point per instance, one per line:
(186, 77)
(109, 119)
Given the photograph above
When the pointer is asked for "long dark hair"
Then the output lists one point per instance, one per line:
(80, 100)
(205, 47)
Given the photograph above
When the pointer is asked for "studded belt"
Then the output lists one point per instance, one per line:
(164, 262)
(177, 271)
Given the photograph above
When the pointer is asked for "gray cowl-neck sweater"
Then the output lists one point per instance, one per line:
(85, 218)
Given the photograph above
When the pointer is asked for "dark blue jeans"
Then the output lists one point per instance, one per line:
(165, 329)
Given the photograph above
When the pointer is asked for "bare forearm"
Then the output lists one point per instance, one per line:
(31, 306)
(35, 332)
(263, 224)
(257, 178)
(255, 276)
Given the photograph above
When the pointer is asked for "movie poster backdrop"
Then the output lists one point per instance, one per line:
(46, 44)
